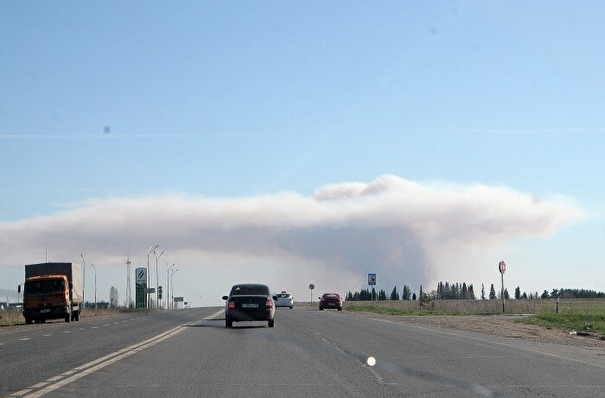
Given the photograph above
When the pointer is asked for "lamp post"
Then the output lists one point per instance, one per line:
(157, 279)
(172, 287)
(84, 281)
(95, 268)
(168, 285)
(149, 274)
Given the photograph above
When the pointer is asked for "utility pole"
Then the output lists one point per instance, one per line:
(168, 304)
(157, 279)
(149, 275)
(83, 281)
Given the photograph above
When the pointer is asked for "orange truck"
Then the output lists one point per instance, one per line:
(52, 291)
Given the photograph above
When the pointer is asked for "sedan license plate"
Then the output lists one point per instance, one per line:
(250, 305)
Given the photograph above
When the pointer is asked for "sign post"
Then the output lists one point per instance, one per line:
(502, 269)
(311, 287)
(141, 287)
(372, 282)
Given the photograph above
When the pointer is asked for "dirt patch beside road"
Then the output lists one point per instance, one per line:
(503, 326)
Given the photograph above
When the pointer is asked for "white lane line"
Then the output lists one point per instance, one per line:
(217, 313)
(91, 367)
(86, 369)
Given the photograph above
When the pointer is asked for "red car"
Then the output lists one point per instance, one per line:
(330, 300)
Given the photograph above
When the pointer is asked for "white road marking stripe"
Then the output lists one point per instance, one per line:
(93, 366)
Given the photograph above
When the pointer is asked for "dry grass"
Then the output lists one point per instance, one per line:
(11, 317)
(14, 317)
(486, 307)
(581, 315)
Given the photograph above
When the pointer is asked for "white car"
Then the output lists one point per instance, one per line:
(283, 299)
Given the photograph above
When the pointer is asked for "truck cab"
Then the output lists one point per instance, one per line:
(51, 295)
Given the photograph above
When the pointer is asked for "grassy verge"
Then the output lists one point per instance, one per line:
(12, 317)
(377, 309)
(581, 316)
(593, 323)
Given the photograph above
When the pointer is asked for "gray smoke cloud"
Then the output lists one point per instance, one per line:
(406, 232)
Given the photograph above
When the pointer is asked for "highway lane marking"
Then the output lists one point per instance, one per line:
(86, 369)
(216, 314)
(91, 367)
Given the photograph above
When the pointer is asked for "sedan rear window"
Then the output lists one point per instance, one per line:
(246, 290)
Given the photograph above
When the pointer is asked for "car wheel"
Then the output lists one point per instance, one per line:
(272, 323)
(291, 307)
(340, 309)
(228, 322)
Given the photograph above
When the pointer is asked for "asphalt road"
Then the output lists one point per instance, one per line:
(309, 353)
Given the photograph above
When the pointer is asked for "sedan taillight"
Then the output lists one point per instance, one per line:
(231, 305)
(269, 303)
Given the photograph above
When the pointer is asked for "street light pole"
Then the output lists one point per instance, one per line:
(83, 282)
(95, 268)
(149, 275)
(157, 279)
(168, 285)
(172, 286)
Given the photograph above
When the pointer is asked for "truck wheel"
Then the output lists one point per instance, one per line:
(228, 322)
(272, 323)
(28, 321)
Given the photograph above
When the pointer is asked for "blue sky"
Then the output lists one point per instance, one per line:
(118, 116)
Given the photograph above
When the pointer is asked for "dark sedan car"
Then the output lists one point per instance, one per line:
(330, 300)
(249, 302)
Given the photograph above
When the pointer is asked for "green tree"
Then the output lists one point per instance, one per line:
(492, 293)
(407, 293)
(517, 293)
(394, 294)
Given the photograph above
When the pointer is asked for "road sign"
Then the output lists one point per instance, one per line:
(141, 275)
(502, 266)
(141, 286)
(311, 286)
(371, 279)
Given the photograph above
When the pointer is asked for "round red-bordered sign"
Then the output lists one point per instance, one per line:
(502, 266)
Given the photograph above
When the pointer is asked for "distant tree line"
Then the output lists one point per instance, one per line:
(462, 291)
(560, 293)
(445, 291)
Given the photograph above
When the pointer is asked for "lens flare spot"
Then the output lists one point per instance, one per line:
(371, 361)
